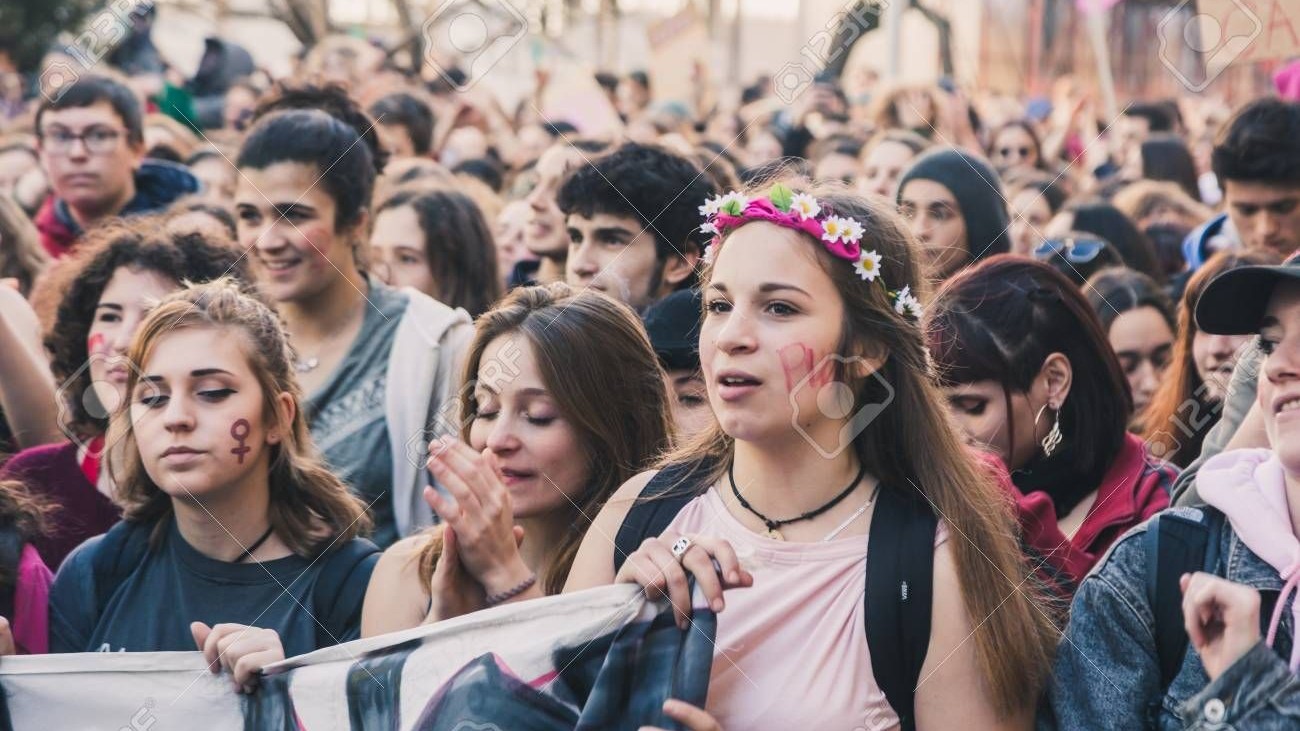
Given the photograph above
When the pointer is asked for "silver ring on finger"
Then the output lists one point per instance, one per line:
(680, 548)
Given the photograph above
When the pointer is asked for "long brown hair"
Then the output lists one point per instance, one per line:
(1173, 433)
(912, 445)
(597, 362)
(310, 508)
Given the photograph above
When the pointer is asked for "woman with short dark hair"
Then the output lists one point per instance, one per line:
(1028, 375)
(377, 365)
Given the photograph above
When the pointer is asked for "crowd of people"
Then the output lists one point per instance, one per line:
(294, 361)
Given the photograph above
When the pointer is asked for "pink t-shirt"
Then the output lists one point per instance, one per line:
(30, 623)
(791, 650)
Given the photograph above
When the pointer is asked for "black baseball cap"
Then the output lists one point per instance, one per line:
(1235, 301)
(673, 324)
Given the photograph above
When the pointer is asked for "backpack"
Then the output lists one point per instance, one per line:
(125, 546)
(1175, 545)
(900, 576)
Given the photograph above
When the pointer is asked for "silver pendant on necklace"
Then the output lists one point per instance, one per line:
(306, 366)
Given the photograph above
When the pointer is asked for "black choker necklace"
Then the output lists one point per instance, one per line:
(773, 525)
(248, 552)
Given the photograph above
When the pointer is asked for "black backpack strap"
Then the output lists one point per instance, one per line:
(1176, 545)
(660, 501)
(899, 595)
(119, 552)
(337, 597)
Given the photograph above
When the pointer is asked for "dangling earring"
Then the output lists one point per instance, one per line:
(1053, 438)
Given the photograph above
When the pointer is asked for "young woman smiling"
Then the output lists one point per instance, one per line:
(376, 363)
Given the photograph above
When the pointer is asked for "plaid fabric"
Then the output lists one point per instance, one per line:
(599, 659)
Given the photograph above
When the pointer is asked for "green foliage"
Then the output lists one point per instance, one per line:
(782, 197)
(29, 28)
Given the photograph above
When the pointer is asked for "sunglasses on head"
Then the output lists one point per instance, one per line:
(1075, 251)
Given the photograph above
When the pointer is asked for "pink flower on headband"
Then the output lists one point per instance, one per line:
(761, 209)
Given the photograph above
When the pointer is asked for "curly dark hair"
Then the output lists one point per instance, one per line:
(141, 244)
(660, 189)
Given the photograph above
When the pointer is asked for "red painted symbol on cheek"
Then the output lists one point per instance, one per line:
(240, 430)
(95, 345)
(797, 361)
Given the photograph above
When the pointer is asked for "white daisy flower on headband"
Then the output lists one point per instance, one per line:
(724, 204)
(852, 231)
(832, 229)
(907, 304)
(805, 205)
(868, 266)
(708, 227)
(710, 253)
(710, 206)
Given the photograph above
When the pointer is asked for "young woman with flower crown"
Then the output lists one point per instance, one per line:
(816, 371)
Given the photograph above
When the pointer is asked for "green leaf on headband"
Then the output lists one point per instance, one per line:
(782, 197)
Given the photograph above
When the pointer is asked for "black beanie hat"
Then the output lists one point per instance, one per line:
(673, 324)
(978, 191)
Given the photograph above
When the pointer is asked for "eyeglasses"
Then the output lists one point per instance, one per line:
(98, 140)
(1008, 151)
(1075, 251)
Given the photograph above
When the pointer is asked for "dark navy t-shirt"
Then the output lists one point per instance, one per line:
(151, 610)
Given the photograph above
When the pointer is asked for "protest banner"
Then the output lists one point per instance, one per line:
(598, 659)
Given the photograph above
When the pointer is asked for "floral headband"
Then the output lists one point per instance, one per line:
(840, 235)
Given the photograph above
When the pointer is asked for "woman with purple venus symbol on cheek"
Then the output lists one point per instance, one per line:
(225, 503)
(239, 430)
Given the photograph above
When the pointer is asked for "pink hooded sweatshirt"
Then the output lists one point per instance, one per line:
(1249, 486)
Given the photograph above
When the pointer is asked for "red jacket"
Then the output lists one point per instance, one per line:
(1134, 488)
(57, 237)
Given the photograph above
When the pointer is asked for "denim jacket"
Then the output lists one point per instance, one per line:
(1106, 673)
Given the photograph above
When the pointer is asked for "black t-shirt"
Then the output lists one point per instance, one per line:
(151, 610)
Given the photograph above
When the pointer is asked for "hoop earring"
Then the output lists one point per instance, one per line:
(1054, 437)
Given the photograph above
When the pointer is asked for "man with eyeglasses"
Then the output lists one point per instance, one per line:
(91, 142)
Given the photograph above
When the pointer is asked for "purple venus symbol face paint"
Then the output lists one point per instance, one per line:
(240, 431)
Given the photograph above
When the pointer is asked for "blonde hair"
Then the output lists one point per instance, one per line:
(912, 445)
(310, 508)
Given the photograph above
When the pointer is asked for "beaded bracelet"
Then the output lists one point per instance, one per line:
(508, 594)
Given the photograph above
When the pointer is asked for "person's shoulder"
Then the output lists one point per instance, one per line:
(409, 548)
(1125, 562)
(634, 486)
(42, 456)
(43, 453)
(80, 563)
(351, 550)
(347, 564)
(432, 318)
